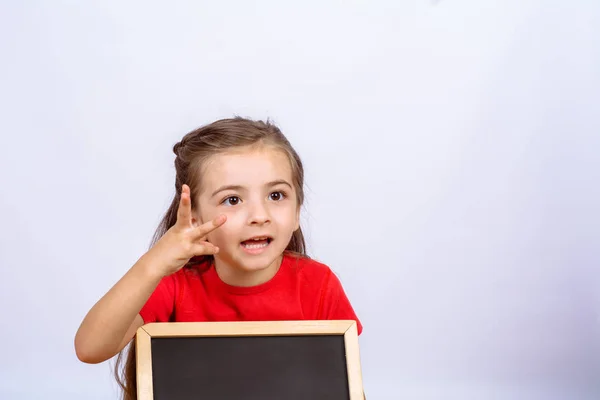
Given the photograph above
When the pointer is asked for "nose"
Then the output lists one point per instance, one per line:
(258, 214)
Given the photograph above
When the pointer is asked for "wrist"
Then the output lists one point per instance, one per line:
(150, 267)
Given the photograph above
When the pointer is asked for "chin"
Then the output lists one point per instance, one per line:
(256, 264)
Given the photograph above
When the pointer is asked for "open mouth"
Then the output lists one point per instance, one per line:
(257, 242)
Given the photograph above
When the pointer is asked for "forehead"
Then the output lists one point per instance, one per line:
(246, 167)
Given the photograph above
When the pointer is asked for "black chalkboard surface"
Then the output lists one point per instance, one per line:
(267, 360)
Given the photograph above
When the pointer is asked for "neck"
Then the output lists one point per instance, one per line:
(236, 276)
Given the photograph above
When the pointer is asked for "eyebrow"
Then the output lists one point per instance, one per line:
(239, 187)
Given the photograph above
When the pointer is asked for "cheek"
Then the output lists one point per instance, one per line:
(229, 230)
(217, 237)
(286, 215)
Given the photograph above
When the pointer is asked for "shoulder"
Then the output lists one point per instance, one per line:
(186, 277)
(312, 275)
(305, 266)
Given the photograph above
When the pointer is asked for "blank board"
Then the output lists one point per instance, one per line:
(265, 360)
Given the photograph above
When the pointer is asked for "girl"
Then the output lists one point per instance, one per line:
(229, 248)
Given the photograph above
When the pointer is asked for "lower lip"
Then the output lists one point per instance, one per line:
(255, 250)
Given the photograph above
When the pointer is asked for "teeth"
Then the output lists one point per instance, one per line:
(255, 246)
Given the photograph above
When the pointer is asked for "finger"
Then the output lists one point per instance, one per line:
(184, 212)
(206, 228)
(205, 248)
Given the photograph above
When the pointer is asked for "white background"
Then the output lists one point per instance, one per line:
(453, 174)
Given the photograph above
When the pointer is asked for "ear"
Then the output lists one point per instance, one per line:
(297, 226)
(196, 219)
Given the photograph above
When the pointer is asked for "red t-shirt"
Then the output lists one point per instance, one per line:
(302, 289)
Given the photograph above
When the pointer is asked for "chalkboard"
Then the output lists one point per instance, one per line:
(265, 360)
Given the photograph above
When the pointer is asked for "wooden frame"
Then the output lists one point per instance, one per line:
(246, 328)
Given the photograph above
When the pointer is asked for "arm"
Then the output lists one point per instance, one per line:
(336, 304)
(114, 319)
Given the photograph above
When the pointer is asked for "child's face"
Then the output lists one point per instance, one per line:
(253, 188)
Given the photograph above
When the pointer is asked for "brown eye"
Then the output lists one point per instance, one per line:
(277, 196)
(231, 201)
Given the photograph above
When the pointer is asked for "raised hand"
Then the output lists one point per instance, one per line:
(184, 240)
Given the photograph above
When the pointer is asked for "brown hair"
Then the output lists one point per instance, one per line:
(191, 153)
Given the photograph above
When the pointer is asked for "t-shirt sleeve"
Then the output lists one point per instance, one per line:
(335, 305)
(161, 304)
